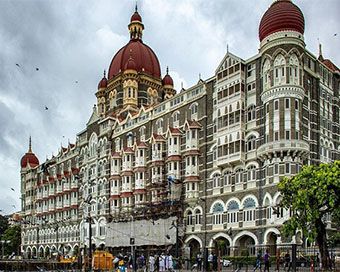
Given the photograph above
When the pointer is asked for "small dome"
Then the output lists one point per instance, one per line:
(167, 80)
(29, 158)
(282, 15)
(103, 83)
(136, 17)
(130, 64)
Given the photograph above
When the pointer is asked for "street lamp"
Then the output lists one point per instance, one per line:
(3, 242)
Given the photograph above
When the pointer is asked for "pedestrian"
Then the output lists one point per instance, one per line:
(215, 262)
(266, 261)
(258, 261)
(288, 263)
(152, 263)
(162, 262)
(171, 264)
(156, 262)
(210, 260)
(199, 261)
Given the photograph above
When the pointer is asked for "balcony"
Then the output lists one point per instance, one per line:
(231, 159)
(296, 147)
(157, 155)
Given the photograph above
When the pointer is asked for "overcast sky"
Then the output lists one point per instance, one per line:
(72, 42)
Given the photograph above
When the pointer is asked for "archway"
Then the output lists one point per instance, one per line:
(47, 252)
(271, 243)
(245, 246)
(34, 252)
(222, 246)
(29, 253)
(194, 246)
(41, 252)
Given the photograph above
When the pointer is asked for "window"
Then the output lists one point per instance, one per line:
(287, 103)
(232, 212)
(276, 133)
(227, 178)
(276, 104)
(287, 135)
(198, 217)
(239, 176)
(251, 144)
(276, 169)
(252, 172)
(249, 210)
(296, 104)
(287, 168)
(217, 180)
(218, 214)
(251, 113)
(189, 218)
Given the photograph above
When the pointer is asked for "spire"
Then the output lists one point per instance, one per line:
(30, 145)
(320, 58)
(104, 73)
(136, 8)
(167, 70)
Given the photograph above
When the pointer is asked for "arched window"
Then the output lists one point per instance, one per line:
(227, 178)
(218, 214)
(198, 216)
(189, 218)
(239, 176)
(251, 173)
(217, 180)
(117, 142)
(293, 69)
(249, 210)
(251, 143)
(160, 126)
(175, 119)
(266, 74)
(251, 113)
(279, 70)
(142, 133)
(194, 111)
(232, 212)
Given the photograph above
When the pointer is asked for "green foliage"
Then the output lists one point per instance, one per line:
(311, 195)
(3, 224)
(12, 234)
(334, 240)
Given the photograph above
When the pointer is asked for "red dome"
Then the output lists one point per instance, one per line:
(136, 17)
(143, 57)
(103, 83)
(130, 64)
(167, 80)
(29, 158)
(282, 15)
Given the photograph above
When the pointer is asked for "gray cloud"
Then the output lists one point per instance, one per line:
(75, 41)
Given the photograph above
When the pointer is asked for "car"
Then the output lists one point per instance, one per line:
(225, 262)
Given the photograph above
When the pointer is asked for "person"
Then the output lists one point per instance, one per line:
(210, 259)
(199, 261)
(288, 263)
(171, 264)
(152, 263)
(215, 262)
(266, 261)
(157, 262)
(162, 262)
(258, 261)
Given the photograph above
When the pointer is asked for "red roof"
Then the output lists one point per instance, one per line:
(130, 64)
(29, 158)
(103, 83)
(114, 177)
(136, 17)
(143, 56)
(126, 194)
(192, 178)
(158, 137)
(75, 170)
(167, 81)
(191, 152)
(193, 124)
(50, 179)
(115, 155)
(127, 173)
(175, 131)
(128, 150)
(142, 144)
(114, 197)
(330, 65)
(139, 191)
(173, 158)
(282, 15)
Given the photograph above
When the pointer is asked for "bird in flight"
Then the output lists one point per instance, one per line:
(17, 64)
(76, 81)
(12, 189)
(335, 34)
(13, 206)
(37, 69)
(46, 108)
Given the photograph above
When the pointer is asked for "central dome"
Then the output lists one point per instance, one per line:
(143, 56)
(145, 60)
(282, 15)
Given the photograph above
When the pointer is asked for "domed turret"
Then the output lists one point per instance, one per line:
(103, 83)
(144, 58)
(29, 158)
(281, 16)
(167, 80)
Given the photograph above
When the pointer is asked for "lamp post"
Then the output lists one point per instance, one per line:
(3, 242)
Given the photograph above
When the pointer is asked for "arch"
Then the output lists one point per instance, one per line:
(216, 205)
(252, 133)
(276, 198)
(243, 234)
(255, 163)
(231, 201)
(268, 232)
(279, 51)
(194, 237)
(218, 172)
(250, 196)
(267, 200)
(220, 235)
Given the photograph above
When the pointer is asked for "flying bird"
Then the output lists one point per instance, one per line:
(76, 81)
(46, 108)
(335, 34)
(13, 206)
(37, 69)
(17, 64)
(12, 189)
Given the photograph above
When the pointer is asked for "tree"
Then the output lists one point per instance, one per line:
(12, 234)
(312, 196)
(3, 224)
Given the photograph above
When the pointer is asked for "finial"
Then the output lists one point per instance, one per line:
(104, 73)
(136, 8)
(182, 85)
(199, 76)
(320, 49)
(227, 48)
(30, 145)
(167, 70)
